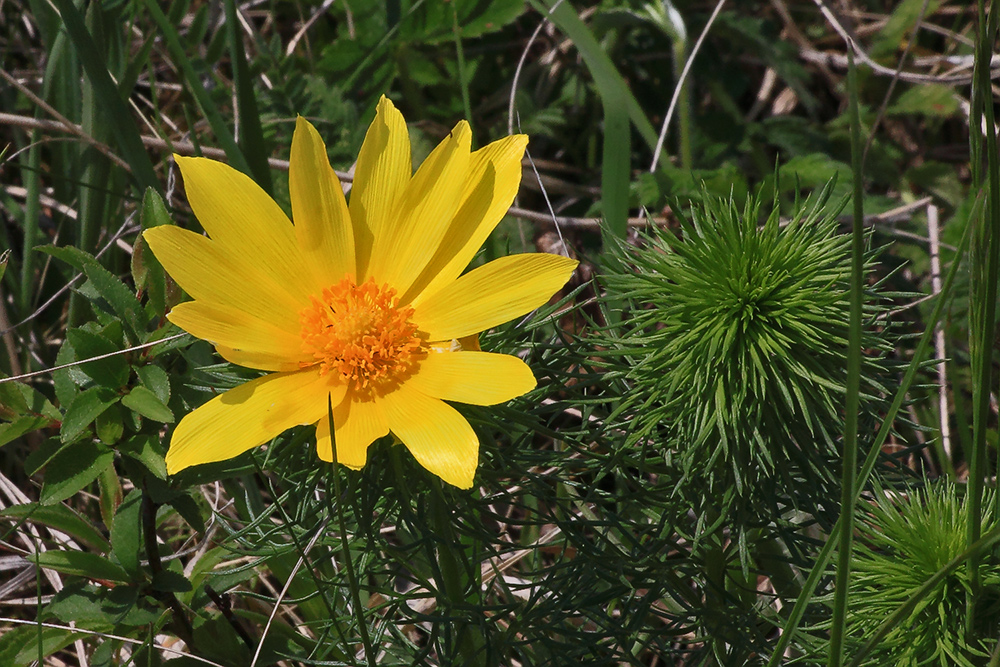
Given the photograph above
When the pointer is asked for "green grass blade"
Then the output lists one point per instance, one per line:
(123, 128)
(850, 458)
(251, 134)
(207, 107)
(985, 271)
(608, 80)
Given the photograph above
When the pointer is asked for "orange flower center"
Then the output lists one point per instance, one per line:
(361, 333)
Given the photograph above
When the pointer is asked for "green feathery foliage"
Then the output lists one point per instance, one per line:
(903, 540)
(735, 347)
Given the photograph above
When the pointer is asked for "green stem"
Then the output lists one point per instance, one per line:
(850, 458)
(352, 580)
(457, 592)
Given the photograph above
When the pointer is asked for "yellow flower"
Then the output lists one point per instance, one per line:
(364, 303)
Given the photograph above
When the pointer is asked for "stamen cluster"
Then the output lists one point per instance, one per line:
(361, 333)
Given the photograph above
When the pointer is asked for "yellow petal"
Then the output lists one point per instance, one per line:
(244, 221)
(492, 294)
(207, 272)
(262, 361)
(319, 210)
(420, 221)
(247, 416)
(235, 328)
(489, 189)
(479, 378)
(382, 172)
(439, 438)
(357, 424)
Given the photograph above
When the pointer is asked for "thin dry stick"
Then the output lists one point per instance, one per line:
(939, 343)
(520, 66)
(294, 41)
(44, 371)
(108, 635)
(284, 591)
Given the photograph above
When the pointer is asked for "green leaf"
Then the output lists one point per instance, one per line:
(169, 581)
(61, 518)
(70, 255)
(145, 449)
(73, 468)
(84, 409)
(109, 425)
(111, 371)
(156, 380)
(119, 297)
(4, 256)
(148, 404)
(126, 532)
(21, 425)
(18, 398)
(81, 564)
(19, 647)
(147, 273)
(928, 99)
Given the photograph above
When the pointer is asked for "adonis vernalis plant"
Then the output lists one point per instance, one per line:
(361, 305)
(734, 352)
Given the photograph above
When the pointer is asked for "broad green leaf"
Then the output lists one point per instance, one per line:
(119, 297)
(61, 518)
(73, 468)
(126, 532)
(81, 564)
(928, 99)
(13, 430)
(148, 404)
(109, 425)
(19, 647)
(84, 409)
(18, 398)
(111, 371)
(145, 450)
(156, 380)
(70, 255)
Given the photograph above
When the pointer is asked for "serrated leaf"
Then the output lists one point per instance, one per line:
(80, 564)
(156, 380)
(145, 450)
(21, 425)
(154, 212)
(71, 255)
(84, 409)
(147, 404)
(109, 425)
(111, 371)
(169, 581)
(19, 647)
(119, 297)
(73, 468)
(18, 398)
(62, 519)
(126, 532)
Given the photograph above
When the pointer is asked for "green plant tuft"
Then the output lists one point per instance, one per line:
(903, 540)
(735, 348)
